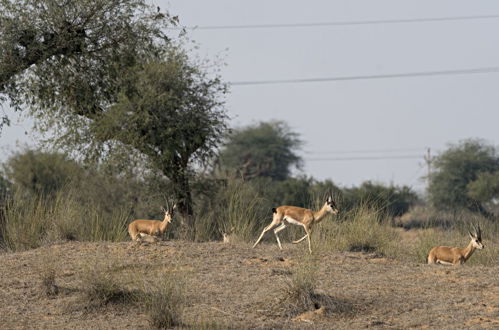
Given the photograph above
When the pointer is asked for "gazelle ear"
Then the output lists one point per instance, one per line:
(471, 235)
(163, 209)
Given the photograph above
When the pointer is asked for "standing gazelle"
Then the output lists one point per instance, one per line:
(456, 256)
(155, 228)
(306, 218)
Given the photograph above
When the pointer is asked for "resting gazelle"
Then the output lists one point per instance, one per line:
(456, 256)
(306, 218)
(152, 228)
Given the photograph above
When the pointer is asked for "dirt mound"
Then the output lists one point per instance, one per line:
(235, 286)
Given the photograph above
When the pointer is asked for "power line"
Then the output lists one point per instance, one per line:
(367, 77)
(340, 23)
(365, 158)
(365, 151)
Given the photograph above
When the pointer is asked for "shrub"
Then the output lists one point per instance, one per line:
(48, 285)
(100, 287)
(31, 221)
(25, 223)
(163, 301)
(237, 208)
(299, 293)
(361, 229)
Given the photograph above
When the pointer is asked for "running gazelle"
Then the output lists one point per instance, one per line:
(300, 216)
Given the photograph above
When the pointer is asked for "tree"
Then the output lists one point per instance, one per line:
(102, 76)
(41, 172)
(262, 150)
(5, 187)
(456, 169)
(485, 189)
(169, 112)
(62, 59)
(393, 200)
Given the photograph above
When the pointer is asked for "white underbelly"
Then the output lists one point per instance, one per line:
(293, 221)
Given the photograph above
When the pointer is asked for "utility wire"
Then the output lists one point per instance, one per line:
(340, 23)
(368, 77)
(365, 158)
(364, 151)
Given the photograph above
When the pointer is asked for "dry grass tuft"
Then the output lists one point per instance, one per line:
(209, 325)
(32, 221)
(362, 230)
(100, 287)
(163, 301)
(48, 285)
(299, 294)
(159, 295)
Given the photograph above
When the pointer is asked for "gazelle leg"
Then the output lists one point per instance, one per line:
(278, 229)
(308, 237)
(266, 229)
(444, 262)
(299, 240)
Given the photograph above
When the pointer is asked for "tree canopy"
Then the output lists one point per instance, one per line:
(62, 59)
(393, 200)
(40, 172)
(169, 112)
(103, 77)
(267, 149)
(458, 178)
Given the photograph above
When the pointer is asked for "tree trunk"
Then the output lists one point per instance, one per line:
(183, 198)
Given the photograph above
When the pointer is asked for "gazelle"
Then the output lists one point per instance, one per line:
(154, 228)
(226, 238)
(456, 256)
(306, 218)
(228, 235)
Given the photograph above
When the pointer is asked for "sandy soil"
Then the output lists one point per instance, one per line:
(239, 287)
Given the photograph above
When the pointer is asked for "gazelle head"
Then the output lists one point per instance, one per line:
(476, 237)
(169, 213)
(227, 234)
(331, 205)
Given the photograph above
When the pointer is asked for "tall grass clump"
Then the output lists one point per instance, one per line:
(26, 222)
(299, 293)
(31, 221)
(237, 208)
(362, 229)
(206, 323)
(101, 285)
(158, 295)
(163, 300)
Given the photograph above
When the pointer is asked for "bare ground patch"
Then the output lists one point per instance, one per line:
(235, 286)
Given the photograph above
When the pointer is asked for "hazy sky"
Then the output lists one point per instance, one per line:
(344, 123)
